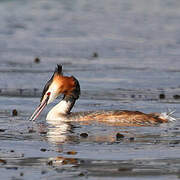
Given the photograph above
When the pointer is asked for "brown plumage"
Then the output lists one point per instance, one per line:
(121, 118)
(66, 84)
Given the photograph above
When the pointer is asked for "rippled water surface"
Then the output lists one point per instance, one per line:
(125, 55)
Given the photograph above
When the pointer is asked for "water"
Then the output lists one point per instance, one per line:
(125, 55)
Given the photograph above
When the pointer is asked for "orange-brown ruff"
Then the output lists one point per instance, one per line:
(69, 86)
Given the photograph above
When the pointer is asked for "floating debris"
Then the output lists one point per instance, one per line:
(84, 135)
(132, 96)
(43, 149)
(13, 168)
(2, 130)
(162, 96)
(125, 169)
(119, 136)
(174, 142)
(176, 96)
(71, 152)
(14, 112)
(3, 161)
(21, 174)
(69, 161)
(81, 174)
(95, 55)
(37, 60)
(11, 150)
(131, 138)
(43, 132)
(43, 172)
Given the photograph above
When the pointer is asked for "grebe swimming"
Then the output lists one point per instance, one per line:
(70, 88)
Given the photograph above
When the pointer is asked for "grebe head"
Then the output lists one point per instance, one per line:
(57, 85)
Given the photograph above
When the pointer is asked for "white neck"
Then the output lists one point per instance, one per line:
(62, 108)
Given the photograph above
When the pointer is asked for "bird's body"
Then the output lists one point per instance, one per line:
(69, 86)
(115, 117)
(121, 117)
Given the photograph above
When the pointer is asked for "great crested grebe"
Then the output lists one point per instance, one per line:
(70, 88)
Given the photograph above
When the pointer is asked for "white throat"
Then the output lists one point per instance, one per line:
(62, 108)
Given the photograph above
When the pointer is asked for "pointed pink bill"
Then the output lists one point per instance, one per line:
(39, 109)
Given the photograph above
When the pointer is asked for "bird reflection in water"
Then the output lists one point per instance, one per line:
(60, 132)
(57, 133)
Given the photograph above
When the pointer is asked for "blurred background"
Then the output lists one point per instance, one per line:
(125, 55)
(105, 44)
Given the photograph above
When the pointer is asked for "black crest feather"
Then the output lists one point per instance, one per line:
(58, 69)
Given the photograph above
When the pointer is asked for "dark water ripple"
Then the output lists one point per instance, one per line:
(165, 95)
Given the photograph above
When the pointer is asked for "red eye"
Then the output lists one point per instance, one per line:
(48, 93)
